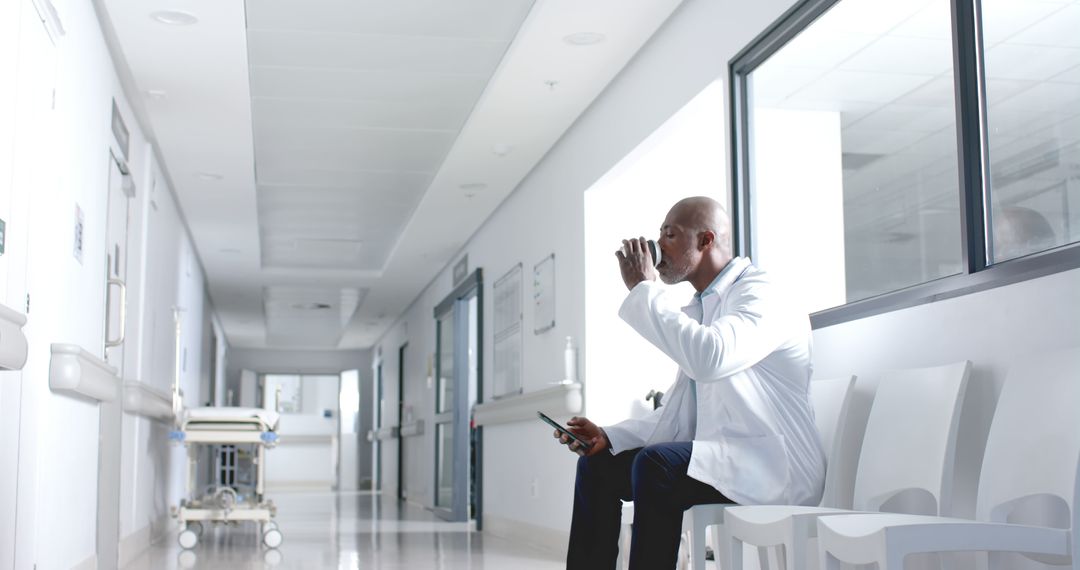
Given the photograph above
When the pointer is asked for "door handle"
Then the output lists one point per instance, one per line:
(119, 340)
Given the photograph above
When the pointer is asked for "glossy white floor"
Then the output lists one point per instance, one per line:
(349, 531)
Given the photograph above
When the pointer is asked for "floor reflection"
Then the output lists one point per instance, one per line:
(348, 531)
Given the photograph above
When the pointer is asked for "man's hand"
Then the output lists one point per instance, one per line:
(635, 262)
(587, 431)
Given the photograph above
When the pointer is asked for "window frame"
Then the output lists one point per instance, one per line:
(973, 169)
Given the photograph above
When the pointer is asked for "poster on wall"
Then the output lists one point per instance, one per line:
(507, 322)
(544, 295)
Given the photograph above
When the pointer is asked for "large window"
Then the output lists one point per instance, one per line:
(869, 162)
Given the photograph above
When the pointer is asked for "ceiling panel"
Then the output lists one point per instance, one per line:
(903, 55)
(868, 16)
(335, 228)
(279, 174)
(937, 92)
(909, 118)
(309, 317)
(1004, 18)
(361, 149)
(869, 87)
(878, 141)
(363, 85)
(1068, 76)
(405, 54)
(934, 21)
(1060, 29)
(456, 19)
(820, 48)
(1035, 63)
(435, 112)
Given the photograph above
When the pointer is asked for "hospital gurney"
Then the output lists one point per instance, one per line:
(237, 439)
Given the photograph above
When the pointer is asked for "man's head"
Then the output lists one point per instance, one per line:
(1019, 231)
(695, 242)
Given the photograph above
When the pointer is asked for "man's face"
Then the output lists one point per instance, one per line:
(679, 254)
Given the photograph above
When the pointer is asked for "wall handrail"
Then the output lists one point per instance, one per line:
(558, 400)
(13, 347)
(143, 400)
(75, 372)
(412, 429)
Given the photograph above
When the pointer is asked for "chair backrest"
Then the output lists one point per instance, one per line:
(1033, 446)
(830, 399)
(909, 447)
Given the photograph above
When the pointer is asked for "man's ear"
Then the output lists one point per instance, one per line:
(706, 239)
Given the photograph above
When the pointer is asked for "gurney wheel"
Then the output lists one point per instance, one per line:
(196, 527)
(187, 539)
(272, 538)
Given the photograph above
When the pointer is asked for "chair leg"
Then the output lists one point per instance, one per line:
(623, 561)
(735, 554)
(720, 548)
(763, 558)
(697, 546)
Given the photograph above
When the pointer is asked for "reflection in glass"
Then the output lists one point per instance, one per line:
(1032, 58)
(853, 164)
(445, 390)
(444, 438)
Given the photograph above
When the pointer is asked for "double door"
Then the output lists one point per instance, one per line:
(457, 443)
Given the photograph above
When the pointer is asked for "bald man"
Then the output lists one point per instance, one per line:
(736, 427)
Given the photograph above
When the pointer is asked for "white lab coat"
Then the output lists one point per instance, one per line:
(744, 359)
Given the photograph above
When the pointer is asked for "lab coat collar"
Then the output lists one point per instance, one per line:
(727, 276)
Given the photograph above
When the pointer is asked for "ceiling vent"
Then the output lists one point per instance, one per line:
(309, 316)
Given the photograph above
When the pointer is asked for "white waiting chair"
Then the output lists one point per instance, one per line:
(907, 455)
(828, 399)
(771, 525)
(1028, 488)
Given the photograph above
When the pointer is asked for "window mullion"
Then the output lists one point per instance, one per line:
(971, 136)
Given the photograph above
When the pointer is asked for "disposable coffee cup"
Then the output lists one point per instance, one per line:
(654, 250)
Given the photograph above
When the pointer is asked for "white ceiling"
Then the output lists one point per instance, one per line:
(331, 156)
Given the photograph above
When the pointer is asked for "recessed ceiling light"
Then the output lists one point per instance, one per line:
(500, 149)
(210, 176)
(174, 18)
(156, 93)
(584, 38)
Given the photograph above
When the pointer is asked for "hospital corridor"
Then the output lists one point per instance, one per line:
(539, 284)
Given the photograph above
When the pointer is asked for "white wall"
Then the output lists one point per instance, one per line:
(676, 161)
(544, 215)
(62, 161)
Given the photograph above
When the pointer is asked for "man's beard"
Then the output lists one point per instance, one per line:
(671, 273)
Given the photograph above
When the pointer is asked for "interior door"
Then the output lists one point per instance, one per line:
(111, 413)
(457, 454)
(27, 139)
(377, 425)
(401, 420)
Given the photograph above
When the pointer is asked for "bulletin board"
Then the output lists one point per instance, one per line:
(508, 341)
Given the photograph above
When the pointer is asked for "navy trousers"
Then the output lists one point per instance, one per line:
(654, 477)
